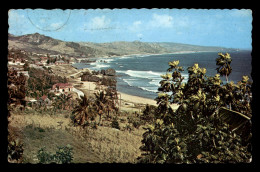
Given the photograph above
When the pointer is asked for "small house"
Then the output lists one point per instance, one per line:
(63, 87)
(25, 73)
(59, 62)
(44, 59)
(44, 100)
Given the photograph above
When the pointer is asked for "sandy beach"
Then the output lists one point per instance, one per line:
(127, 100)
(89, 88)
(136, 99)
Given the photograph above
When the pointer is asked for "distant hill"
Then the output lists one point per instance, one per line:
(44, 44)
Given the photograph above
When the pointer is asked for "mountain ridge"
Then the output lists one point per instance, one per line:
(45, 44)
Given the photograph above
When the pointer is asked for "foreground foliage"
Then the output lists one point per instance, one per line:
(15, 148)
(63, 155)
(195, 132)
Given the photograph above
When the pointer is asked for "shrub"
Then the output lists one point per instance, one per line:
(63, 155)
(148, 113)
(115, 124)
(14, 149)
(195, 132)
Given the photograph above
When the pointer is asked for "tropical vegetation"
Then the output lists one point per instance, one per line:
(212, 123)
(205, 128)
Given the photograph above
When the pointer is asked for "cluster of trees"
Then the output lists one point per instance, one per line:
(103, 102)
(198, 131)
(15, 54)
(16, 85)
(40, 81)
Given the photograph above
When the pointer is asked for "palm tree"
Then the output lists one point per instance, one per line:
(112, 104)
(101, 103)
(83, 111)
(224, 61)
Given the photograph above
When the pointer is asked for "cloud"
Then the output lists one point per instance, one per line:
(137, 23)
(157, 21)
(139, 35)
(136, 26)
(162, 21)
(56, 25)
(97, 23)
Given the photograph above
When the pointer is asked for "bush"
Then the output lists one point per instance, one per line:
(115, 124)
(195, 132)
(15, 148)
(148, 113)
(63, 155)
(136, 122)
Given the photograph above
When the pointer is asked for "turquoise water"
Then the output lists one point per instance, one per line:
(140, 74)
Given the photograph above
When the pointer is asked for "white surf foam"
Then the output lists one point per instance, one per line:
(143, 74)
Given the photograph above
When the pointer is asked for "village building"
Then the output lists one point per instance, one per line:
(44, 100)
(72, 60)
(55, 55)
(25, 73)
(18, 62)
(37, 63)
(59, 62)
(30, 101)
(17, 68)
(44, 59)
(63, 87)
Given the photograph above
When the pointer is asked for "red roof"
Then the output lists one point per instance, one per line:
(63, 85)
(44, 97)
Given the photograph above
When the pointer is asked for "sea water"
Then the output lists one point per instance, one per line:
(140, 75)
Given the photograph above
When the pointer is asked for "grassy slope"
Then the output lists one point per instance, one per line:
(104, 144)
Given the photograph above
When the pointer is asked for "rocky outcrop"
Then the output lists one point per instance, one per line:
(108, 72)
(109, 81)
(90, 78)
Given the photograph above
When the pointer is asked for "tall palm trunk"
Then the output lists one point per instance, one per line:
(227, 82)
(99, 119)
(227, 78)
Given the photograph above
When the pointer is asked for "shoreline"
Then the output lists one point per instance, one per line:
(90, 87)
(150, 54)
(127, 100)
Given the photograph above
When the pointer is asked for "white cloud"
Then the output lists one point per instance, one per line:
(139, 35)
(56, 25)
(137, 23)
(163, 21)
(136, 26)
(97, 23)
(157, 21)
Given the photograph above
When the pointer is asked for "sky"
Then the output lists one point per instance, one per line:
(225, 28)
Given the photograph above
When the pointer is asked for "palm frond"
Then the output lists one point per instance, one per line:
(237, 121)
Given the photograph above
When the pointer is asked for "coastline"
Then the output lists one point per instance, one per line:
(89, 88)
(126, 100)
(151, 54)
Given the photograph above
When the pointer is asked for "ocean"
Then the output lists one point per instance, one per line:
(139, 75)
